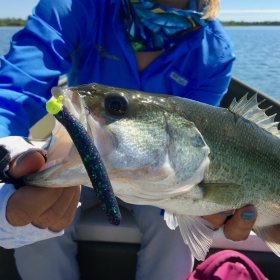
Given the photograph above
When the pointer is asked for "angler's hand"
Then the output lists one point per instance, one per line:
(239, 226)
(52, 208)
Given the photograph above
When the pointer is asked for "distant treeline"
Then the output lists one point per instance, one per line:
(12, 22)
(244, 23)
(22, 22)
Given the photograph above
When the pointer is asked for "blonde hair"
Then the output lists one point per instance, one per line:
(213, 9)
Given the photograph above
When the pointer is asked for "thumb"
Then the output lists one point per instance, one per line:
(26, 163)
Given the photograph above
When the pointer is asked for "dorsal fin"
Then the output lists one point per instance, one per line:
(249, 109)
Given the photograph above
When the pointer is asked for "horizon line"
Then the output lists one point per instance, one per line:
(249, 11)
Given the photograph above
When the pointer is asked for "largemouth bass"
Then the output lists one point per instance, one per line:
(186, 157)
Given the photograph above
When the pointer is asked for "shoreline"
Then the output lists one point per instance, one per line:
(243, 23)
(18, 22)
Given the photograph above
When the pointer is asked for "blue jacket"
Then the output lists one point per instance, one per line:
(85, 39)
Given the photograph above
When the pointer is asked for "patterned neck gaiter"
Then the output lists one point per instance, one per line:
(153, 27)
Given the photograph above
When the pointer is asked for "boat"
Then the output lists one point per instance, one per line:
(109, 252)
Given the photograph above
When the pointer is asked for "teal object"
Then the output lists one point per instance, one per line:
(248, 216)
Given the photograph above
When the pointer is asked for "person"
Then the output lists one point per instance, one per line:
(161, 46)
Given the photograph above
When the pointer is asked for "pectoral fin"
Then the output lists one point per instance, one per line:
(197, 233)
(270, 235)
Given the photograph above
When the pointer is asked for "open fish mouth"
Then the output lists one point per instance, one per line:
(63, 160)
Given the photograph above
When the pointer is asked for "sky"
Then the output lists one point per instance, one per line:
(237, 10)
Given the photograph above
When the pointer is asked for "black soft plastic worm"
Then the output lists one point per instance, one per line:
(90, 157)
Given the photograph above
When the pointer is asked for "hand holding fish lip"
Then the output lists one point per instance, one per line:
(43, 207)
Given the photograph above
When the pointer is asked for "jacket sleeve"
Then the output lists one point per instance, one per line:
(38, 55)
(11, 236)
(14, 237)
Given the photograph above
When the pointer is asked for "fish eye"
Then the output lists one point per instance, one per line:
(116, 104)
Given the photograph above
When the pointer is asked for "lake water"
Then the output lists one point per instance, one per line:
(5, 35)
(257, 51)
(257, 63)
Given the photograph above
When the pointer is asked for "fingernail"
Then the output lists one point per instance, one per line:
(23, 155)
(226, 214)
(248, 216)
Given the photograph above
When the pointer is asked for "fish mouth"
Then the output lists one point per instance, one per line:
(64, 166)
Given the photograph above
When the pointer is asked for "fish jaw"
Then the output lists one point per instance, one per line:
(64, 167)
(64, 172)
